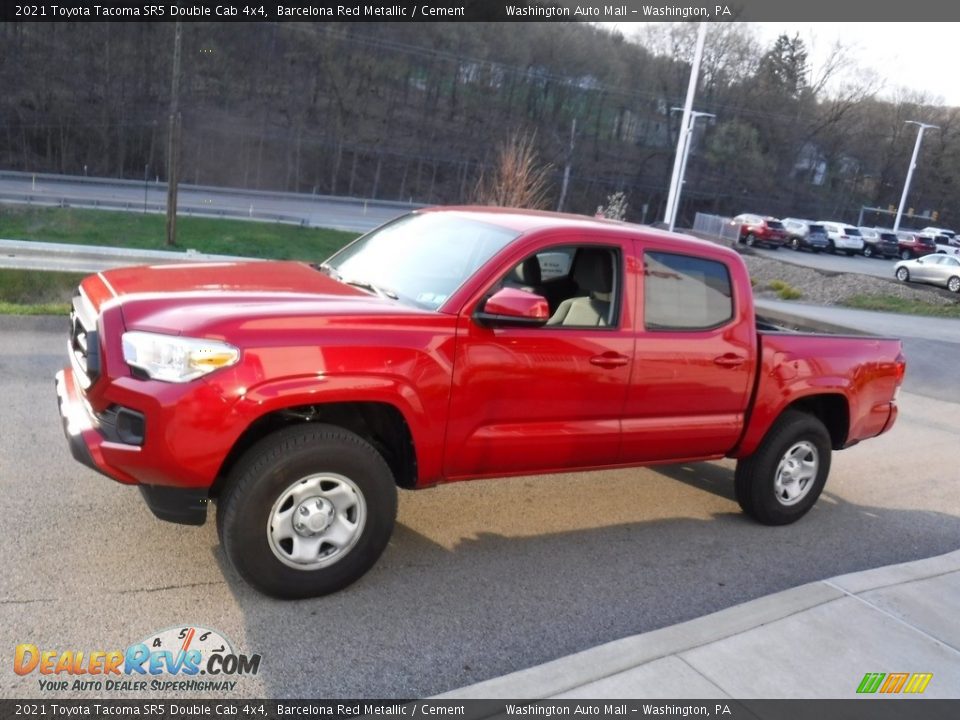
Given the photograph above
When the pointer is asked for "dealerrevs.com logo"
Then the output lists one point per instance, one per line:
(185, 658)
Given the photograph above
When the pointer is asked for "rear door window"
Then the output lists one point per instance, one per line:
(681, 292)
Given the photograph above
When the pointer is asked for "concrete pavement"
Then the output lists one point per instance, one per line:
(815, 641)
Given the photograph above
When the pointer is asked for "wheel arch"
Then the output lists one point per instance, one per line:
(832, 409)
(381, 424)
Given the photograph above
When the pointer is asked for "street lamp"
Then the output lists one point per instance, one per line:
(675, 191)
(913, 164)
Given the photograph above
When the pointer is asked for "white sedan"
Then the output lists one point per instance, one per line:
(935, 269)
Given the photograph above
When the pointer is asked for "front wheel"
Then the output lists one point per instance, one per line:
(903, 274)
(795, 244)
(905, 255)
(953, 284)
(751, 240)
(867, 251)
(782, 480)
(307, 511)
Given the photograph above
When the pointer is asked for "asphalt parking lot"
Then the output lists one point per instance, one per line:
(480, 579)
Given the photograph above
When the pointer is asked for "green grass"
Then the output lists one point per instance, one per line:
(891, 303)
(784, 290)
(133, 230)
(36, 292)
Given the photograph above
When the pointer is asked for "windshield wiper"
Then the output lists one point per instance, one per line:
(370, 287)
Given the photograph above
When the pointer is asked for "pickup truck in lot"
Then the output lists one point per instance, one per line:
(449, 344)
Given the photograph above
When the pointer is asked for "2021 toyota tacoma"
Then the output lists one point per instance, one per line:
(449, 344)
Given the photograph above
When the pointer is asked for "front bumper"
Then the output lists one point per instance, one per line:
(88, 444)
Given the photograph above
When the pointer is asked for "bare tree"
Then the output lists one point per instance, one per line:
(519, 178)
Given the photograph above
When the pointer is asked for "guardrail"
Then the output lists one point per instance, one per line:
(161, 185)
(150, 207)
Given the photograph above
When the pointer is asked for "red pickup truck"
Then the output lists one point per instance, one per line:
(449, 344)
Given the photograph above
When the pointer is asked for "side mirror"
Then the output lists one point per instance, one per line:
(512, 307)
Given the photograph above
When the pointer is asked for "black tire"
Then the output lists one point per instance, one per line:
(905, 255)
(903, 275)
(271, 469)
(953, 284)
(831, 247)
(867, 251)
(756, 476)
(795, 244)
(751, 240)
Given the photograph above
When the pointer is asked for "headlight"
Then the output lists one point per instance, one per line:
(173, 358)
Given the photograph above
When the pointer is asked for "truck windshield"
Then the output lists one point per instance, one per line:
(418, 259)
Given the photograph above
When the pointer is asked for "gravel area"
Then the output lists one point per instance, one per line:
(832, 288)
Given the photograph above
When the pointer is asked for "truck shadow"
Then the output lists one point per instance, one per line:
(452, 602)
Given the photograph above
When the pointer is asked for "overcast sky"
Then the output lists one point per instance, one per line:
(924, 56)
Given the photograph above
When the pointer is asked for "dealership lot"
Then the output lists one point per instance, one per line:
(480, 579)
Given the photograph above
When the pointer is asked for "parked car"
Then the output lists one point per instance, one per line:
(944, 245)
(300, 397)
(842, 237)
(942, 231)
(913, 245)
(879, 243)
(805, 234)
(934, 269)
(759, 230)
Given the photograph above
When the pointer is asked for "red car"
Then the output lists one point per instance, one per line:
(758, 230)
(913, 245)
(447, 345)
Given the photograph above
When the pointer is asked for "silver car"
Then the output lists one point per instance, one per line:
(936, 269)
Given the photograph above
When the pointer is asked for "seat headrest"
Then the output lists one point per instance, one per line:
(593, 270)
(527, 272)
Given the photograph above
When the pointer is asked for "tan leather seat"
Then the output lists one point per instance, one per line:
(593, 273)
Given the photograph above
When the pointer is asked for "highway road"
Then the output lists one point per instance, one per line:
(355, 215)
(480, 579)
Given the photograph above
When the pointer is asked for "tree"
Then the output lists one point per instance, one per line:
(519, 179)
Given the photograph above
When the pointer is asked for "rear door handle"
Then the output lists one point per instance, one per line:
(729, 360)
(609, 360)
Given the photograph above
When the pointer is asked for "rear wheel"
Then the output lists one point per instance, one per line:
(307, 511)
(782, 480)
(751, 240)
(831, 247)
(794, 243)
(904, 254)
(953, 284)
(903, 274)
(867, 251)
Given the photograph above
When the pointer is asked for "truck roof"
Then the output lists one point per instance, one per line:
(523, 221)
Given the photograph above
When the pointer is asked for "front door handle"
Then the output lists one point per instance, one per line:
(730, 360)
(609, 360)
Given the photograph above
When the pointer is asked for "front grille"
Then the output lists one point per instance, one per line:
(84, 343)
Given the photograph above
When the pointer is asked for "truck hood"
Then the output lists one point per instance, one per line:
(211, 298)
(244, 277)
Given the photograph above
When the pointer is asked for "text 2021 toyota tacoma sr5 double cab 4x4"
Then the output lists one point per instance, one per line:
(447, 345)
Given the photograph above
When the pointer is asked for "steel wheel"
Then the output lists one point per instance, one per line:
(316, 521)
(796, 473)
(903, 274)
(953, 284)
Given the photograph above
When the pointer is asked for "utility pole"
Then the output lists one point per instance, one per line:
(566, 168)
(173, 140)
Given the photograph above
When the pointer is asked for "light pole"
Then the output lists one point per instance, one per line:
(687, 133)
(913, 164)
(670, 212)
